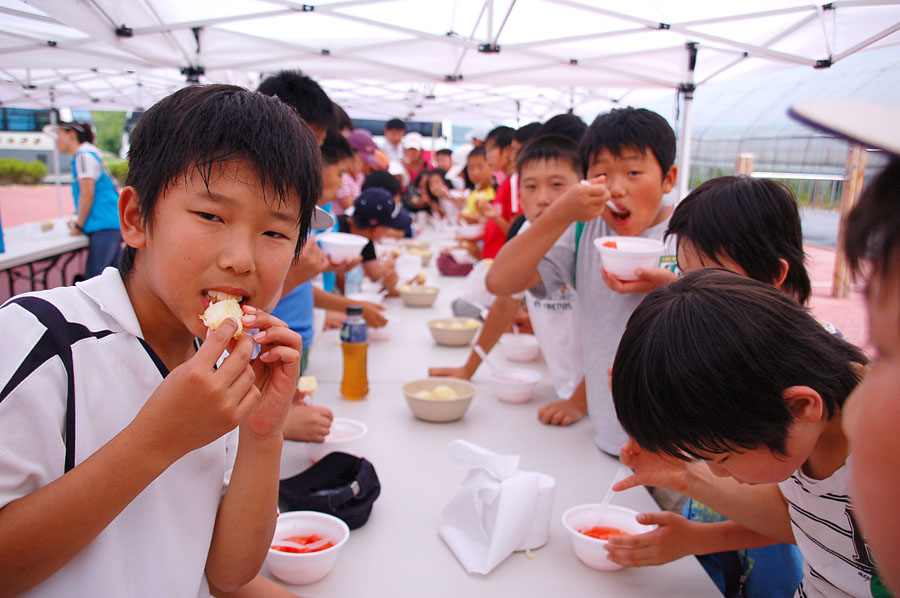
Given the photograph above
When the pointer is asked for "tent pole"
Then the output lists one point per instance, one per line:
(54, 122)
(686, 90)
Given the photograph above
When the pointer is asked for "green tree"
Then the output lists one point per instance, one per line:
(109, 126)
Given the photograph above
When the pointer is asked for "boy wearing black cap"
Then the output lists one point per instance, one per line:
(376, 215)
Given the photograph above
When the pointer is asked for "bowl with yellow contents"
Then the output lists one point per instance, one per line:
(454, 332)
(439, 399)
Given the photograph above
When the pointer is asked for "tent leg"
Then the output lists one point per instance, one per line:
(54, 121)
(855, 177)
(684, 144)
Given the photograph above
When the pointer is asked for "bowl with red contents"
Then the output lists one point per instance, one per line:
(621, 256)
(590, 526)
(305, 546)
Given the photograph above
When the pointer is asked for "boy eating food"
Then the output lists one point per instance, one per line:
(121, 472)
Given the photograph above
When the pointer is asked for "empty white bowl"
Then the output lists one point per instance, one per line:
(514, 385)
(591, 551)
(471, 232)
(382, 333)
(310, 567)
(344, 432)
(621, 256)
(367, 296)
(341, 247)
(461, 255)
(519, 347)
(438, 409)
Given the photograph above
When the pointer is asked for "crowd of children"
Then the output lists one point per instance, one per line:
(708, 376)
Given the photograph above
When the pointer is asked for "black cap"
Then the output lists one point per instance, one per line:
(354, 310)
(375, 207)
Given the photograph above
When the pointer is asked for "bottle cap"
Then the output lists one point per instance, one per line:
(354, 310)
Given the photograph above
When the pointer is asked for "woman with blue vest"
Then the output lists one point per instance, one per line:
(96, 198)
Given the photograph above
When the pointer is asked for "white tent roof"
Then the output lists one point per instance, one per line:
(469, 60)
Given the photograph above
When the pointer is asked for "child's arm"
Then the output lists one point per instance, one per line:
(676, 537)
(489, 211)
(499, 317)
(649, 280)
(194, 405)
(515, 267)
(259, 587)
(761, 508)
(245, 520)
(372, 312)
(567, 412)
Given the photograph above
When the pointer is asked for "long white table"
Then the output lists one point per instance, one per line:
(398, 551)
(39, 259)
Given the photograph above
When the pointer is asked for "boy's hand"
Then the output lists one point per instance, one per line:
(307, 423)
(198, 403)
(277, 368)
(389, 279)
(651, 469)
(335, 319)
(560, 413)
(650, 279)
(373, 314)
(461, 373)
(666, 543)
(343, 266)
(582, 203)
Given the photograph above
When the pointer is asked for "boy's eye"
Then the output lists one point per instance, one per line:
(275, 234)
(634, 172)
(208, 216)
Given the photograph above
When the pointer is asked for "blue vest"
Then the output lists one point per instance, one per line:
(104, 214)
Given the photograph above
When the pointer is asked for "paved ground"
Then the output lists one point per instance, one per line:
(19, 204)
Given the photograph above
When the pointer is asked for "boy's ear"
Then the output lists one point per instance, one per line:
(782, 273)
(805, 404)
(133, 229)
(670, 178)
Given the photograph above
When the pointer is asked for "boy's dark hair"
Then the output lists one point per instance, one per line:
(476, 151)
(502, 136)
(873, 227)
(567, 125)
(303, 94)
(550, 147)
(705, 360)
(752, 221)
(335, 148)
(384, 180)
(395, 124)
(526, 132)
(444, 152)
(342, 120)
(629, 128)
(199, 127)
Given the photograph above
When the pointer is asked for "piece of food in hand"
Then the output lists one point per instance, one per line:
(307, 385)
(222, 307)
(610, 244)
(420, 278)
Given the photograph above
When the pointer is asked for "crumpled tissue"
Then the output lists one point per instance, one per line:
(497, 510)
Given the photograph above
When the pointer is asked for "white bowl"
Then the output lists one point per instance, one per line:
(454, 332)
(591, 551)
(304, 568)
(470, 232)
(439, 409)
(514, 385)
(341, 247)
(461, 255)
(417, 295)
(519, 347)
(629, 254)
(367, 296)
(384, 332)
(344, 432)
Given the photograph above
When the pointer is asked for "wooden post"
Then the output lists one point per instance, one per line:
(745, 163)
(853, 184)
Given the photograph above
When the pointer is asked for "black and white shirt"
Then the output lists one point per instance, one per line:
(74, 372)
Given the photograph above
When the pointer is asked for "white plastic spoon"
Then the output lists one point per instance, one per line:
(621, 474)
(480, 352)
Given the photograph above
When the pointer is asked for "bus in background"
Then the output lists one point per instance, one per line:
(21, 136)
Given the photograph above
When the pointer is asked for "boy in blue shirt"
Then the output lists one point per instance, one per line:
(106, 383)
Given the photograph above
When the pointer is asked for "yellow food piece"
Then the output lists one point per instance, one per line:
(219, 311)
(404, 287)
(420, 278)
(443, 392)
(307, 384)
(423, 394)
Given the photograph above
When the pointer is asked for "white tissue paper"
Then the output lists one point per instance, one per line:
(497, 510)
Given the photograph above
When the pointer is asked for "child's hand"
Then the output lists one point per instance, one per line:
(373, 314)
(489, 211)
(650, 279)
(583, 203)
(666, 543)
(560, 413)
(307, 423)
(197, 402)
(335, 319)
(277, 368)
(651, 469)
(389, 279)
(461, 373)
(343, 266)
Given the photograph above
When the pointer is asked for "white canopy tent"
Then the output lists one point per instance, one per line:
(468, 60)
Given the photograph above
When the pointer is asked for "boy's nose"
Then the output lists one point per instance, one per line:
(237, 255)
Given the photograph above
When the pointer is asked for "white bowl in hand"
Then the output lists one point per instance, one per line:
(592, 551)
(621, 256)
(341, 247)
(299, 568)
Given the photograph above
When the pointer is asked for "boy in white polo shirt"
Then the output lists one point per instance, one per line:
(120, 472)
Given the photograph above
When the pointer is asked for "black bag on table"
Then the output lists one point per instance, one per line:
(339, 484)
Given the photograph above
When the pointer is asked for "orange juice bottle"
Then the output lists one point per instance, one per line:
(355, 345)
